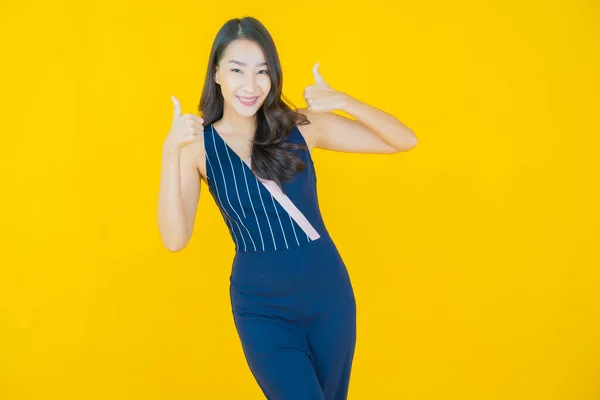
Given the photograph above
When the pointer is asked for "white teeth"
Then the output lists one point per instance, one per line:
(248, 101)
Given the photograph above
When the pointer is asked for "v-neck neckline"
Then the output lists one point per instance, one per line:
(230, 148)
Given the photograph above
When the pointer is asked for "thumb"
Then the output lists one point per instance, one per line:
(318, 78)
(176, 107)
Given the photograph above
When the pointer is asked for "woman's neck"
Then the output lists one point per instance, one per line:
(234, 124)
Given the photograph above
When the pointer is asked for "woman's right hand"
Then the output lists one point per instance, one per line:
(185, 129)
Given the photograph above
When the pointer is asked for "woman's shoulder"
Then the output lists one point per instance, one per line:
(308, 131)
(194, 155)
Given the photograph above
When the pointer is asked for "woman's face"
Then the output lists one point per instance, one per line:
(243, 76)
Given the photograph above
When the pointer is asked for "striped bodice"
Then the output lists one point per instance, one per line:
(260, 217)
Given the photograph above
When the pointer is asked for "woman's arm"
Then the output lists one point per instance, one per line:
(178, 197)
(373, 131)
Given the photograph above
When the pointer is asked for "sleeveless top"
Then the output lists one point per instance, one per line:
(259, 216)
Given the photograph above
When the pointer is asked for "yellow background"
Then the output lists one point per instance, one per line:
(473, 256)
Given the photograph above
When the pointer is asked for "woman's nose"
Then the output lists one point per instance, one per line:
(249, 84)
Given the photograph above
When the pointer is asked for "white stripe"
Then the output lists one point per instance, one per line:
(234, 179)
(292, 222)
(266, 215)
(226, 213)
(230, 226)
(280, 224)
(236, 189)
(252, 204)
(227, 195)
(219, 202)
(228, 220)
(287, 204)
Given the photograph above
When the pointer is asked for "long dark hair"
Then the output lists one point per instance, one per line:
(271, 156)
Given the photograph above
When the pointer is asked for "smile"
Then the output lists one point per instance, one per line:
(248, 101)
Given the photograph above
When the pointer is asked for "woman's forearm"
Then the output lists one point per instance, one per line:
(172, 221)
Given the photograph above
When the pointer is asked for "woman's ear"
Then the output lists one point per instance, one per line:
(217, 75)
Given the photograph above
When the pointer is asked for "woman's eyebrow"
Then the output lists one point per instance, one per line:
(244, 64)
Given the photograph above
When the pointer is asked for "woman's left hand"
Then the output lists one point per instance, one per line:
(321, 97)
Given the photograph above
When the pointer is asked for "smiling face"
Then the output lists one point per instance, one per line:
(244, 77)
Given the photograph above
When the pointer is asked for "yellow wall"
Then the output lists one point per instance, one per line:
(472, 256)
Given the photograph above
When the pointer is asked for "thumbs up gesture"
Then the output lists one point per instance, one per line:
(321, 97)
(185, 129)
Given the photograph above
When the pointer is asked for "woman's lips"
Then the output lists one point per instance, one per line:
(248, 101)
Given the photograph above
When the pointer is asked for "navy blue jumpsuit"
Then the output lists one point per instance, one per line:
(292, 300)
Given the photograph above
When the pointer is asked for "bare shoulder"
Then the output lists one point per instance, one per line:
(309, 131)
(193, 154)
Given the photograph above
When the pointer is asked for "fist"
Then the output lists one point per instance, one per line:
(321, 97)
(185, 129)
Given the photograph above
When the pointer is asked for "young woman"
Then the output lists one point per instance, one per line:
(292, 300)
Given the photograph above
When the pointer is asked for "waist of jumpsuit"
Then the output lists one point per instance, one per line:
(286, 269)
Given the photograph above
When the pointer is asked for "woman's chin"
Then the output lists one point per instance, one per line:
(247, 111)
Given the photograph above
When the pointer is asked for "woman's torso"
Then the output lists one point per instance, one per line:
(199, 153)
(259, 216)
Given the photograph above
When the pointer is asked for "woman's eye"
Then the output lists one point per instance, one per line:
(262, 70)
